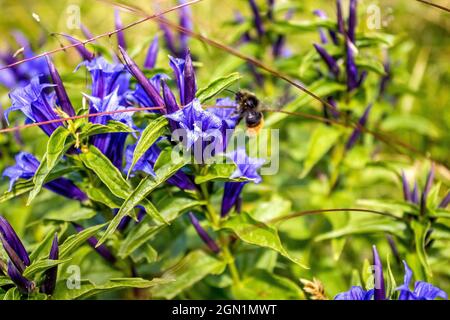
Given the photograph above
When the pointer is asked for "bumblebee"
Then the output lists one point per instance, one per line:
(249, 109)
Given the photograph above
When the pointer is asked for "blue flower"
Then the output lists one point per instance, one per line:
(119, 26)
(197, 123)
(422, 290)
(81, 49)
(357, 131)
(246, 168)
(185, 77)
(25, 168)
(355, 293)
(147, 162)
(328, 59)
(152, 54)
(35, 104)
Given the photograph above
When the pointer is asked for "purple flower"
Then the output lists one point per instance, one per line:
(246, 168)
(146, 85)
(25, 168)
(426, 190)
(101, 249)
(203, 234)
(118, 25)
(226, 111)
(147, 162)
(257, 20)
(198, 125)
(35, 104)
(49, 284)
(357, 131)
(352, 20)
(350, 67)
(82, 51)
(321, 14)
(328, 59)
(63, 98)
(379, 290)
(422, 290)
(340, 17)
(185, 77)
(152, 54)
(355, 293)
(18, 256)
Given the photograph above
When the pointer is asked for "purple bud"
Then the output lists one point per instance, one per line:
(152, 54)
(185, 23)
(86, 31)
(415, 194)
(83, 52)
(203, 234)
(60, 90)
(118, 25)
(101, 250)
(352, 20)
(168, 37)
(329, 60)
(426, 189)
(24, 285)
(352, 71)
(170, 102)
(231, 195)
(406, 191)
(322, 15)
(357, 131)
(379, 290)
(148, 88)
(444, 203)
(340, 17)
(257, 20)
(13, 246)
(49, 284)
(334, 110)
(190, 84)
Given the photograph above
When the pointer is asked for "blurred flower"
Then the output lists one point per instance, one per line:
(357, 131)
(203, 234)
(81, 49)
(49, 284)
(120, 34)
(246, 168)
(328, 59)
(257, 20)
(422, 290)
(379, 292)
(152, 54)
(25, 168)
(352, 17)
(323, 38)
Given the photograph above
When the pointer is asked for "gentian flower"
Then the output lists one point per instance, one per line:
(185, 77)
(147, 162)
(328, 59)
(323, 38)
(203, 234)
(18, 256)
(49, 284)
(102, 250)
(422, 290)
(246, 168)
(379, 290)
(81, 49)
(152, 54)
(352, 20)
(355, 293)
(357, 131)
(63, 98)
(226, 111)
(35, 104)
(257, 19)
(25, 168)
(340, 17)
(118, 25)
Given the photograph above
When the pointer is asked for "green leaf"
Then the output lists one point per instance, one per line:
(191, 269)
(103, 195)
(149, 136)
(5, 281)
(370, 64)
(420, 231)
(216, 86)
(76, 240)
(88, 288)
(145, 187)
(42, 265)
(71, 214)
(43, 248)
(391, 285)
(322, 139)
(254, 232)
(217, 172)
(143, 232)
(263, 285)
(95, 160)
(56, 147)
(413, 123)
